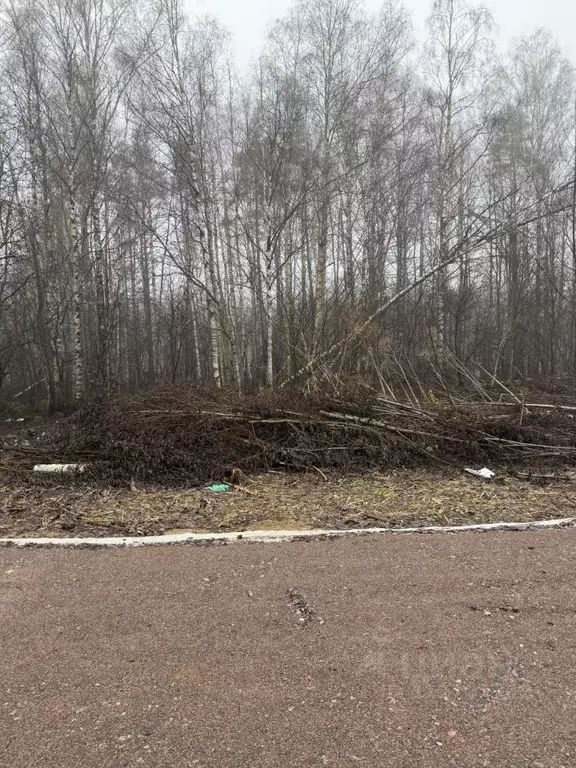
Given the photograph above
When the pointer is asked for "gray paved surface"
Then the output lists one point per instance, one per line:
(418, 651)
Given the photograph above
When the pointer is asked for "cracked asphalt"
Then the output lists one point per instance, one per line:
(408, 651)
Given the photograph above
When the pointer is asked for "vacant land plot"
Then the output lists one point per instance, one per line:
(281, 500)
(292, 460)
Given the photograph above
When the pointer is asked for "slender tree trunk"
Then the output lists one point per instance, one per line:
(269, 312)
(147, 308)
(103, 362)
(76, 303)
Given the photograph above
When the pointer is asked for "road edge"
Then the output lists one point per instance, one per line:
(247, 537)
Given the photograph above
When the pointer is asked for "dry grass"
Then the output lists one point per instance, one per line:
(276, 500)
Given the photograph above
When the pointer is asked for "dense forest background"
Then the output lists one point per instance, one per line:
(353, 204)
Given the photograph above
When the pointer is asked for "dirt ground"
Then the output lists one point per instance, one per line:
(279, 500)
(416, 652)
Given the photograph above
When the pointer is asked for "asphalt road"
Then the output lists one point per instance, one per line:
(409, 651)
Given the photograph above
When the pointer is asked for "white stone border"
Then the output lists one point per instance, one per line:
(204, 539)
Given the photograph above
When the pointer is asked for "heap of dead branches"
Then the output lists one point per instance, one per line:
(179, 434)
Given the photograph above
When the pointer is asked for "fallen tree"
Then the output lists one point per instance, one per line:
(474, 239)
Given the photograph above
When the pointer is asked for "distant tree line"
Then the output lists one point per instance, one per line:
(348, 198)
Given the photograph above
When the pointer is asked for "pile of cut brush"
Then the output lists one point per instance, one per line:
(177, 434)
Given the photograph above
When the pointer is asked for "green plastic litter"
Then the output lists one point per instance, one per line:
(223, 488)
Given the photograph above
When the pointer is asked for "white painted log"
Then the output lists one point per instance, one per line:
(59, 468)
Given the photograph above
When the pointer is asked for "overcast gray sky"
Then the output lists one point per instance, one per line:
(247, 20)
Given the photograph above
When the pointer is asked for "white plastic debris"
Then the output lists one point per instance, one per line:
(59, 467)
(484, 473)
